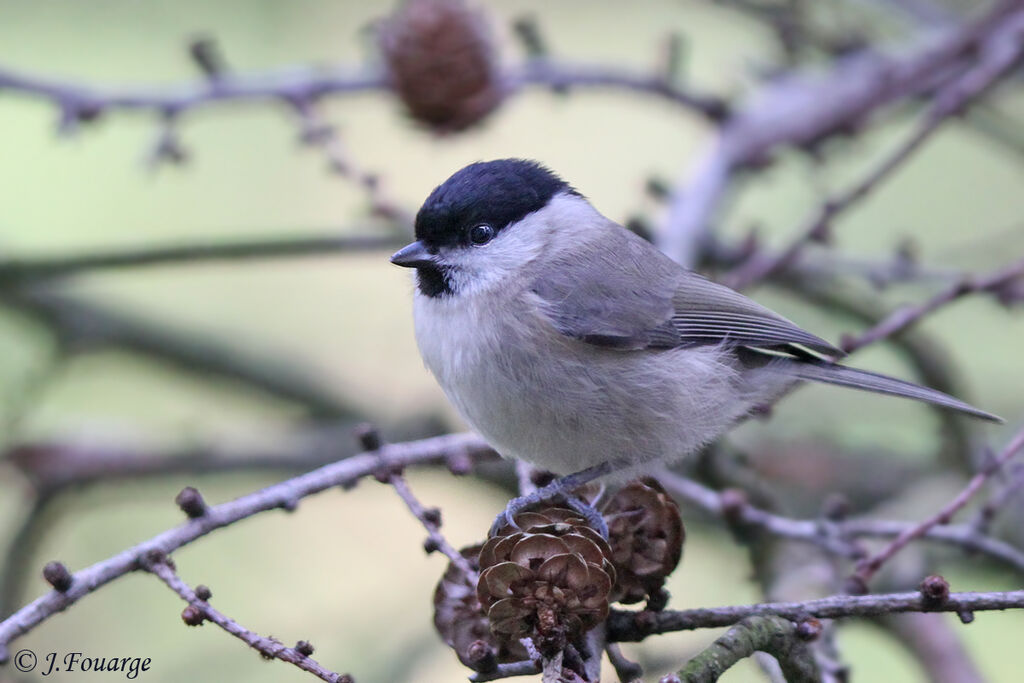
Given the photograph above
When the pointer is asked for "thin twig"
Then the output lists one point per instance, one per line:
(931, 363)
(880, 273)
(315, 131)
(21, 270)
(430, 519)
(1000, 500)
(304, 84)
(84, 326)
(561, 76)
(524, 668)
(804, 110)
(25, 539)
(284, 495)
(285, 84)
(837, 539)
(54, 466)
(626, 669)
(635, 626)
(903, 318)
(867, 568)
(996, 60)
(817, 284)
(739, 512)
(268, 647)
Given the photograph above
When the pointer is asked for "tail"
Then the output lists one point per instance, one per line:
(830, 373)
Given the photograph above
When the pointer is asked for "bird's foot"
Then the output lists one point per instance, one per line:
(588, 512)
(560, 491)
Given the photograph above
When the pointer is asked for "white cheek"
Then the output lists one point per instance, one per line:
(481, 268)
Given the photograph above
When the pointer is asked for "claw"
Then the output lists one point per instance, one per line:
(507, 516)
(558, 490)
(594, 518)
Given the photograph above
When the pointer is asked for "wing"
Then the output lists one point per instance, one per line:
(633, 297)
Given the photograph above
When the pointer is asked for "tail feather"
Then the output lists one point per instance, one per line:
(829, 373)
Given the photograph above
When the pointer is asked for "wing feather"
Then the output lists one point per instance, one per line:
(620, 292)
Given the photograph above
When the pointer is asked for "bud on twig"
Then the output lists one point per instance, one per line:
(836, 507)
(855, 585)
(657, 188)
(191, 502)
(58, 576)
(934, 591)
(156, 556)
(207, 55)
(192, 616)
(481, 656)
(432, 516)
(733, 502)
(367, 436)
(527, 30)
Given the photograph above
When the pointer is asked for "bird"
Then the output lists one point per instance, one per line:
(571, 343)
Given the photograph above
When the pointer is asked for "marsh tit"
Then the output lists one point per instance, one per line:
(571, 343)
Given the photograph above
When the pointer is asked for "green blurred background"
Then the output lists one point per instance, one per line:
(346, 571)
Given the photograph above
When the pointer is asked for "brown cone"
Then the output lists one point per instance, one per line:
(646, 535)
(549, 580)
(461, 621)
(441, 62)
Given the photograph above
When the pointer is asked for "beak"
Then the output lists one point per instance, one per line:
(413, 255)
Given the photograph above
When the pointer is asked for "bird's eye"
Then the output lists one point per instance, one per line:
(481, 234)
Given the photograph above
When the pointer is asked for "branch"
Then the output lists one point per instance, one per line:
(867, 568)
(627, 670)
(297, 85)
(775, 636)
(26, 538)
(635, 626)
(816, 282)
(21, 270)
(802, 111)
(86, 102)
(931, 363)
(431, 520)
(900, 267)
(55, 466)
(833, 537)
(998, 57)
(285, 495)
(55, 469)
(81, 325)
(901, 319)
(315, 131)
(158, 565)
(1000, 500)
(510, 670)
(562, 76)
